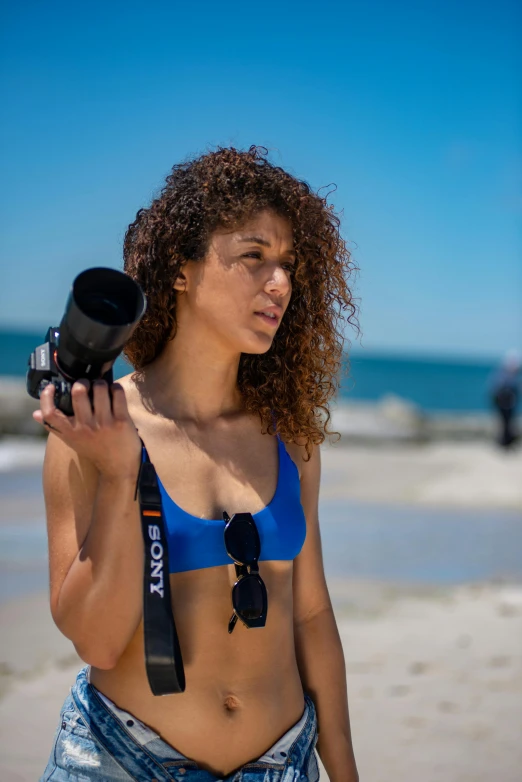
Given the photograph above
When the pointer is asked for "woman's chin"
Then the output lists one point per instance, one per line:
(261, 343)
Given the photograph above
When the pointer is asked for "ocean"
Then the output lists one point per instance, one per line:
(434, 385)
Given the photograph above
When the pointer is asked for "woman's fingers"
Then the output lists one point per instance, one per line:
(81, 403)
(119, 403)
(103, 415)
(102, 403)
(106, 437)
(48, 415)
(47, 406)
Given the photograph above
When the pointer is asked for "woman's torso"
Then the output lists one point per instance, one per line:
(242, 690)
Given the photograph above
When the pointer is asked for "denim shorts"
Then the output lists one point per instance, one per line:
(97, 740)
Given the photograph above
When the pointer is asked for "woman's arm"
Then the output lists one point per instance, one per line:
(94, 530)
(318, 646)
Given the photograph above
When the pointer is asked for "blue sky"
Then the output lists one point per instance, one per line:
(413, 109)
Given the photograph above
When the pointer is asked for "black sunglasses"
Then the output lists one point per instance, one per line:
(249, 597)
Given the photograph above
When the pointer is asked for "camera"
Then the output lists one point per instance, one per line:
(103, 309)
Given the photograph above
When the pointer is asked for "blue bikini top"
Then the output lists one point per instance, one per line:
(195, 543)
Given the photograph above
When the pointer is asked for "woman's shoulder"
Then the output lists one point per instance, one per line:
(298, 453)
(132, 397)
(127, 383)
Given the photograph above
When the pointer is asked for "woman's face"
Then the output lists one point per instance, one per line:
(245, 273)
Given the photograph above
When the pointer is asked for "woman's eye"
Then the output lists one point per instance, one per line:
(289, 267)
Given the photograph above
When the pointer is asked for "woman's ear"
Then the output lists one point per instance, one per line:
(180, 283)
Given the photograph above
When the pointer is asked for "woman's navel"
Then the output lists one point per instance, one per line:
(231, 704)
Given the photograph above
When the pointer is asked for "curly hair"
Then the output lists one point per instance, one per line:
(300, 372)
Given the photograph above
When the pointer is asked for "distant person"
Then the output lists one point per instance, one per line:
(505, 396)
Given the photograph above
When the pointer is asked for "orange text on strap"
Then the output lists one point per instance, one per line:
(151, 513)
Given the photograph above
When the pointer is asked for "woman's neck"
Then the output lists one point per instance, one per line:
(193, 382)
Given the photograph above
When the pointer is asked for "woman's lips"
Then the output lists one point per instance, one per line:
(271, 321)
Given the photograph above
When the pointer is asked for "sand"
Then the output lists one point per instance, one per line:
(437, 474)
(434, 672)
(434, 683)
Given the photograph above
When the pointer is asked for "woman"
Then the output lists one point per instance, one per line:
(245, 273)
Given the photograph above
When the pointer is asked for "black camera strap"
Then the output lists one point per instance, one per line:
(163, 660)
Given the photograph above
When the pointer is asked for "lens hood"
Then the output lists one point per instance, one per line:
(102, 311)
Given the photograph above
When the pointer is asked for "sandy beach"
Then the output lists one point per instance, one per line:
(433, 653)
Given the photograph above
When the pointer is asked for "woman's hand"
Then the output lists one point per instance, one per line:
(108, 438)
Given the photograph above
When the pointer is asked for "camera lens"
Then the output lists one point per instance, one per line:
(102, 311)
(105, 311)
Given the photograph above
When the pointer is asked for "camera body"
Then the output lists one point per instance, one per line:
(44, 369)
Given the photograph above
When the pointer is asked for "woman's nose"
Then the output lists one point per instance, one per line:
(279, 281)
